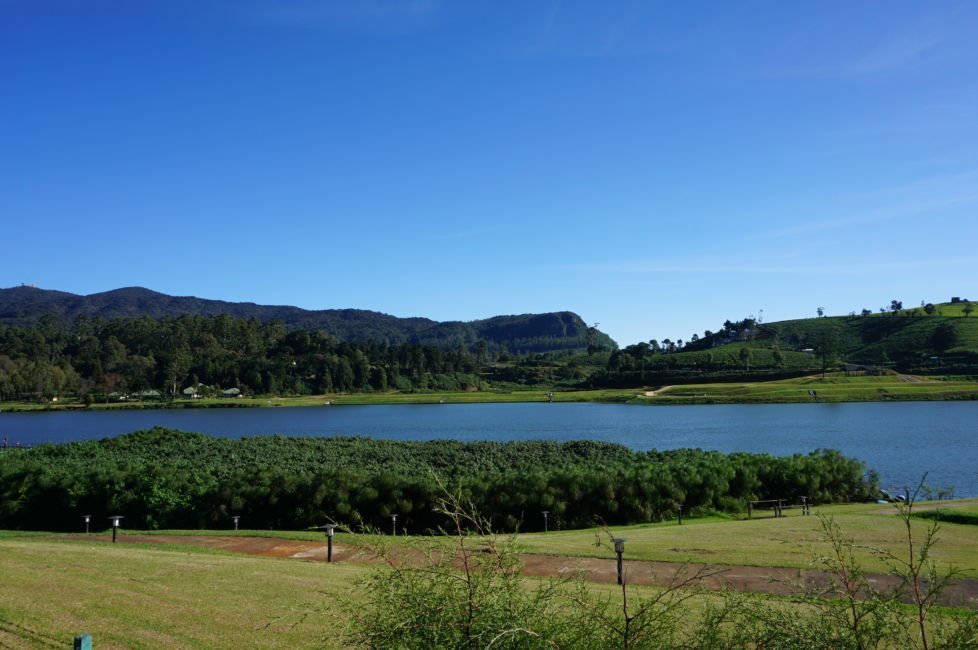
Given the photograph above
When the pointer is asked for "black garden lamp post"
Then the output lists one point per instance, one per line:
(394, 524)
(115, 526)
(88, 519)
(546, 520)
(236, 519)
(619, 550)
(680, 510)
(330, 528)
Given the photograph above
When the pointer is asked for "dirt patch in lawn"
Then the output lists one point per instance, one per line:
(767, 580)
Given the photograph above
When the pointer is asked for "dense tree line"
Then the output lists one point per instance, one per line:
(98, 357)
(171, 479)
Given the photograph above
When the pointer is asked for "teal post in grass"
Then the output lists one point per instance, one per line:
(83, 642)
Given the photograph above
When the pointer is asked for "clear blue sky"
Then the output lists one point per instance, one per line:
(655, 167)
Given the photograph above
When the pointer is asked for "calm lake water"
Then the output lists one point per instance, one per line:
(899, 440)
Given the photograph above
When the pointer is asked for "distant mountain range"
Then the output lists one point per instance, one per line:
(554, 331)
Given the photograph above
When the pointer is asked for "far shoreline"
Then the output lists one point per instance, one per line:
(833, 389)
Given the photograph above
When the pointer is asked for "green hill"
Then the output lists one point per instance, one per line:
(912, 340)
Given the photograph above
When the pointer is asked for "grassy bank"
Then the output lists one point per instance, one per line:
(834, 388)
(762, 541)
(137, 597)
(149, 596)
(141, 597)
(768, 542)
(346, 399)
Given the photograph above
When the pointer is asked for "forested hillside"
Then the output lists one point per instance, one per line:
(25, 305)
(205, 355)
(95, 358)
(170, 479)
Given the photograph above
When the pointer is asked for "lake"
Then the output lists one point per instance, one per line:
(901, 441)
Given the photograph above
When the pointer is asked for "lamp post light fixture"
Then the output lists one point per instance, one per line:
(394, 524)
(680, 510)
(115, 526)
(87, 518)
(546, 520)
(236, 519)
(330, 528)
(619, 549)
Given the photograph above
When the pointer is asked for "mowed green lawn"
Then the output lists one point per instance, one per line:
(152, 596)
(834, 388)
(142, 597)
(789, 541)
(762, 541)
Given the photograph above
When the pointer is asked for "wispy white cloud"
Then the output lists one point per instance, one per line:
(897, 53)
(890, 213)
(581, 30)
(854, 268)
(470, 233)
(367, 15)
(940, 185)
(932, 196)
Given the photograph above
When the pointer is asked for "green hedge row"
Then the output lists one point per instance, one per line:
(163, 478)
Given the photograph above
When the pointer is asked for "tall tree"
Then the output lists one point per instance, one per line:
(745, 356)
(944, 337)
(828, 348)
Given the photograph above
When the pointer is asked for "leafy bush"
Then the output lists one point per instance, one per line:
(470, 594)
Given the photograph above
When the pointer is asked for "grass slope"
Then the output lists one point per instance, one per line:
(785, 542)
(138, 597)
(905, 337)
(145, 596)
(836, 387)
